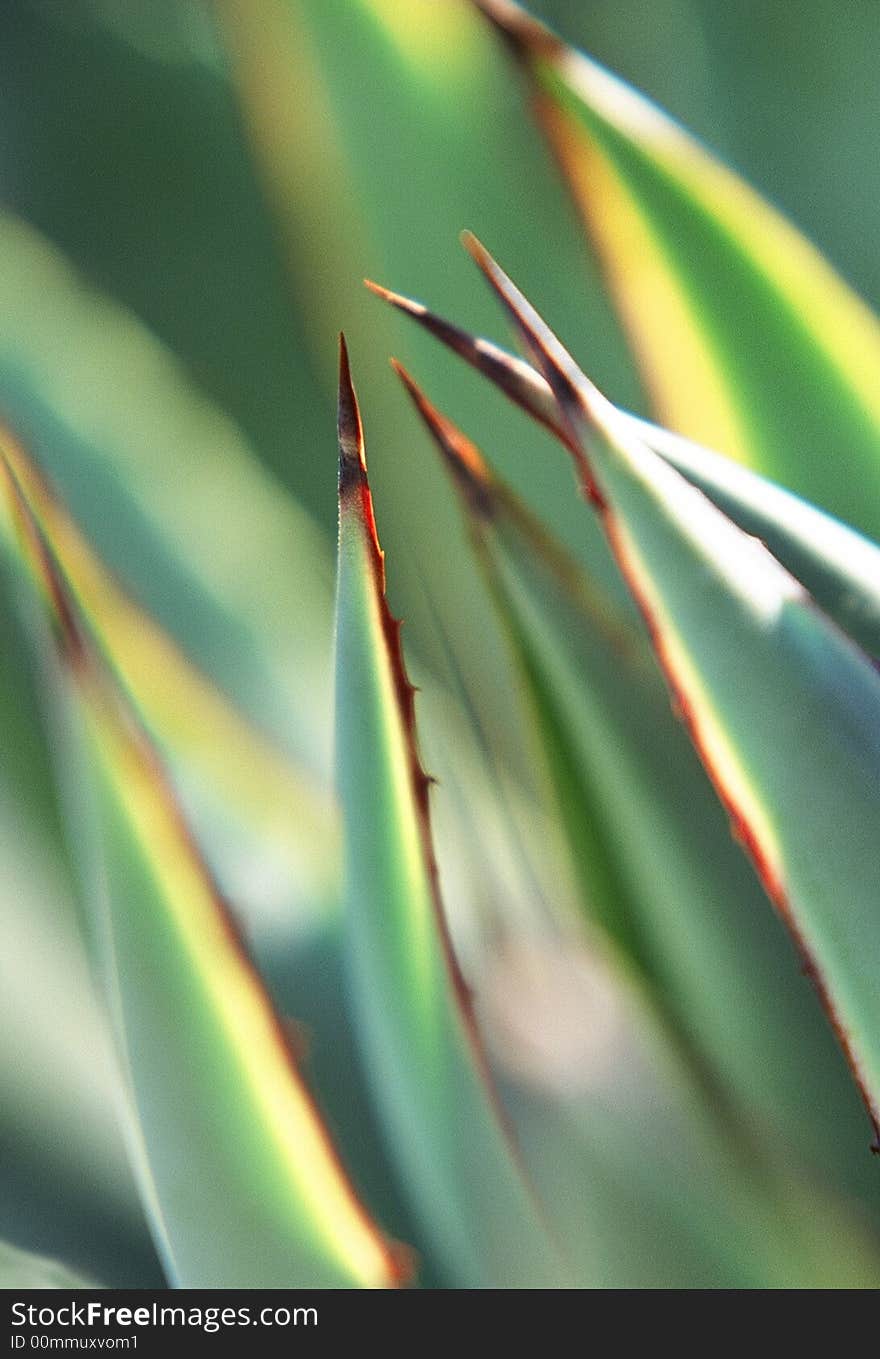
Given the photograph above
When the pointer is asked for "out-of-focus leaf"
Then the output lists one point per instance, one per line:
(640, 1182)
(655, 861)
(839, 567)
(425, 1058)
(236, 1168)
(224, 762)
(65, 1185)
(748, 339)
(169, 493)
(19, 1269)
(784, 710)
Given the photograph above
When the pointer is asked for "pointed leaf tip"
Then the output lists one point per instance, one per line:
(555, 363)
(473, 245)
(574, 393)
(388, 295)
(460, 454)
(417, 310)
(838, 567)
(352, 459)
(354, 483)
(512, 375)
(422, 1040)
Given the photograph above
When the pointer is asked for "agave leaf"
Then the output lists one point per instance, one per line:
(699, 1209)
(839, 567)
(65, 1185)
(655, 862)
(748, 340)
(236, 1168)
(426, 1062)
(20, 1269)
(167, 490)
(225, 763)
(64, 1180)
(783, 708)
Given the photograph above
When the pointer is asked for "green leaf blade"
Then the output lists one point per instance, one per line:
(839, 567)
(783, 709)
(235, 1166)
(652, 851)
(426, 1060)
(633, 800)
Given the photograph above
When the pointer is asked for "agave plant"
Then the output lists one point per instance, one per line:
(599, 1009)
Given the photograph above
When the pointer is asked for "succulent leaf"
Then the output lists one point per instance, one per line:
(166, 488)
(428, 1069)
(783, 708)
(197, 728)
(654, 859)
(224, 1130)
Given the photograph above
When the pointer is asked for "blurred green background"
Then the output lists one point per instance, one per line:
(223, 176)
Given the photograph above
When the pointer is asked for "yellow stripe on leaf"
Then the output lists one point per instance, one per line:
(688, 386)
(180, 706)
